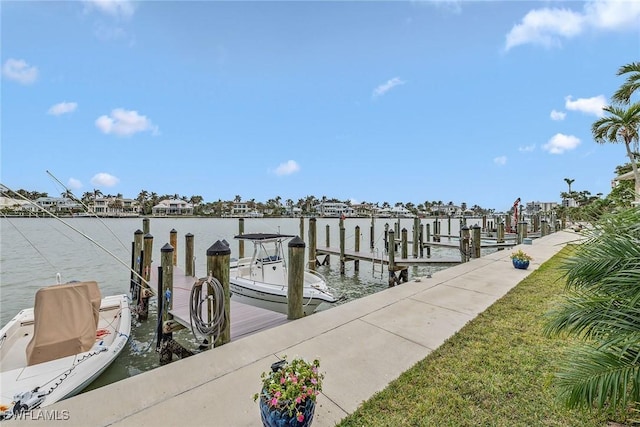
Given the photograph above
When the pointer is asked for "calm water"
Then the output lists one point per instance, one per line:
(34, 250)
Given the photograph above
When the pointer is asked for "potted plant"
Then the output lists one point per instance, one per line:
(520, 259)
(288, 394)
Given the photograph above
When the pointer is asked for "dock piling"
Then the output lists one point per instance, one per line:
(145, 292)
(218, 259)
(342, 237)
(392, 262)
(476, 241)
(189, 259)
(464, 244)
(405, 246)
(295, 283)
(173, 241)
(241, 242)
(313, 261)
(356, 263)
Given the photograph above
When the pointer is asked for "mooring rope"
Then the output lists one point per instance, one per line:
(212, 327)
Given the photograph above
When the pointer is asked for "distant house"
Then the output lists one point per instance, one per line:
(365, 209)
(113, 206)
(7, 203)
(58, 204)
(400, 212)
(175, 207)
(334, 209)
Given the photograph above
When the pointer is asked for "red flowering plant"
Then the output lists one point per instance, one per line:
(290, 384)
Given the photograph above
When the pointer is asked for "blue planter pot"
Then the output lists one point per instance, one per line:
(273, 417)
(520, 264)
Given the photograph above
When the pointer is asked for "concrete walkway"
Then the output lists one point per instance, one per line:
(362, 346)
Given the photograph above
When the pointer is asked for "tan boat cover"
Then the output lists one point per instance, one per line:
(66, 319)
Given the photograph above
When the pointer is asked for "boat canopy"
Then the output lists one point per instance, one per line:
(65, 321)
(263, 237)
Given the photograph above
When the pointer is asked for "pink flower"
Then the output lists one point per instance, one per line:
(298, 399)
(314, 381)
(282, 380)
(274, 401)
(277, 394)
(300, 417)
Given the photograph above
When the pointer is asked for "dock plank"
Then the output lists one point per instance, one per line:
(245, 319)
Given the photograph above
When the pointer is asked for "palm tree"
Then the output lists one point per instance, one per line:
(621, 125)
(623, 95)
(601, 309)
(569, 182)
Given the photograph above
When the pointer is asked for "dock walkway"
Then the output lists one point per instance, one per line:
(245, 319)
(355, 343)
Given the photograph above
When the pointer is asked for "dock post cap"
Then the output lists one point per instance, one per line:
(476, 226)
(166, 248)
(218, 248)
(138, 231)
(296, 242)
(465, 228)
(148, 236)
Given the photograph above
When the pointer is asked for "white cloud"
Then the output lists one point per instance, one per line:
(557, 115)
(547, 27)
(544, 27)
(74, 184)
(62, 108)
(500, 160)
(559, 143)
(125, 123)
(386, 87)
(287, 168)
(115, 8)
(613, 14)
(103, 179)
(20, 71)
(527, 148)
(592, 105)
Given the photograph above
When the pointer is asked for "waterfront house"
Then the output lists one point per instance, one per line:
(334, 209)
(172, 207)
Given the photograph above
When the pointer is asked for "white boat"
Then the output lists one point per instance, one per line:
(261, 280)
(57, 348)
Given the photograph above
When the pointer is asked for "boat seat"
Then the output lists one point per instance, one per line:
(65, 321)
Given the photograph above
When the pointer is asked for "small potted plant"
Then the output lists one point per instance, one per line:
(288, 394)
(520, 259)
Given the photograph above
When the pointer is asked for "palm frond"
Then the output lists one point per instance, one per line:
(601, 376)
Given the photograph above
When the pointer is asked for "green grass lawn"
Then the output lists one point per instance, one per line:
(496, 371)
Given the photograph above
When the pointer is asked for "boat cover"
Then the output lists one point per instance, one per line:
(65, 321)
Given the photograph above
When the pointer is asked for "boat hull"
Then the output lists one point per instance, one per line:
(274, 297)
(61, 378)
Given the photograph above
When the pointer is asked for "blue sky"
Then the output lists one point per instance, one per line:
(479, 102)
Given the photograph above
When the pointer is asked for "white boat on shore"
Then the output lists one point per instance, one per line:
(57, 348)
(262, 280)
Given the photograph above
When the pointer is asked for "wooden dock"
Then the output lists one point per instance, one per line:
(384, 259)
(245, 319)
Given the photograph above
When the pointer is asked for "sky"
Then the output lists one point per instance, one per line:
(480, 102)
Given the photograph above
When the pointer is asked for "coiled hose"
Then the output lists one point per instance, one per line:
(200, 297)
